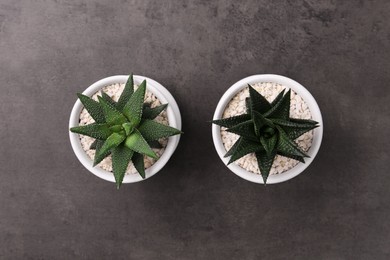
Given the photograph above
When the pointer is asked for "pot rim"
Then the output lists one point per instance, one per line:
(289, 83)
(174, 119)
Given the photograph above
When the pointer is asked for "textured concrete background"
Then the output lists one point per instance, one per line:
(195, 208)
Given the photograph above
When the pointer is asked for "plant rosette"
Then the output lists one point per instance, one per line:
(142, 137)
(267, 128)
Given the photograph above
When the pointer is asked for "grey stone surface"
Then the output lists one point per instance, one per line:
(195, 208)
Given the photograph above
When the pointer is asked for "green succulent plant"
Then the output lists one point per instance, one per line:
(266, 129)
(124, 129)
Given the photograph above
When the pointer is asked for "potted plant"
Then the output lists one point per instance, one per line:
(267, 125)
(120, 124)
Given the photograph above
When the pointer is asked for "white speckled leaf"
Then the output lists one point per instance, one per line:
(121, 156)
(97, 131)
(112, 115)
(127, 93)
(133, 108)
(138, 144)
(151, 130)
(138, 162)
(93, 108)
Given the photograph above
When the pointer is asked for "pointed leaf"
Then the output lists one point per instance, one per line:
(112, 115)
(98, 158)
(243, 148)
(294, 124)
(151, 130)
(127, 93)
(138, 162)
(94, 144)
(269, 143)
(278, 98)
(112, 141)
(121, 156)
(133, 108)
(281, 109)
(93, 108)
(296, 128)
(248, 106)
(294, 133)
(245, 129)
(152, 113)
(232, 121)
(108, 98)
(287, 146)
(258, 102)
(97, 131)
(138, 144)
(303, 121)
(295, 157)
(265, 162)
(233, 148)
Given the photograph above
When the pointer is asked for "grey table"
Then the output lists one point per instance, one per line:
(195, 208)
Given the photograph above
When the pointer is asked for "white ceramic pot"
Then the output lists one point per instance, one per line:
(174, 119)
(300, 90)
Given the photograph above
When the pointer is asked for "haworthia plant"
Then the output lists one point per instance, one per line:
(125, 129)
(266, 130)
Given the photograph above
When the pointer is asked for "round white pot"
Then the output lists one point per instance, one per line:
(174, 119)
(300, 90)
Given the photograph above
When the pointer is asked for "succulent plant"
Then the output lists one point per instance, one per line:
(266, 130)
(124, 129)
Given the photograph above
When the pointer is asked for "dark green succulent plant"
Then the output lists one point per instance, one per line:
(266, 130)
(124, 129)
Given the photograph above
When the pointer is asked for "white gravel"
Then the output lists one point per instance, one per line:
(114, 91)
(298, 109)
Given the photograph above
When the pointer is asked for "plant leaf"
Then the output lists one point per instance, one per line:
(269, 143)
(133, 108)
(243, 148)
(278, 98)
(232, 121)
(138, 162)
(96, 159)
(152, 113)
(295, 157)
(138, 144)
(112, 141)
(127, 93)
(121, 156)
(265, 162)
(248, 106)
(155, 144)
(108, 98)
(151, 130)
(112, 115)
(287, 146)
(93, 108)
(233, 148)
(244, 129)
(94, 144)
(303, 121)
(259, 121)
(258, 102)
(294, 124)
(281, 109)
(294, 129)
(97, 131)
(294, 133)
